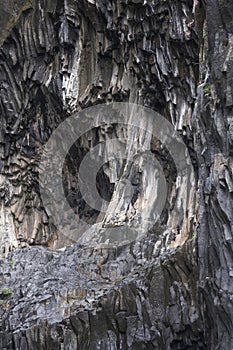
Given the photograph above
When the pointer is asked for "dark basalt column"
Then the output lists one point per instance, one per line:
(173, 289)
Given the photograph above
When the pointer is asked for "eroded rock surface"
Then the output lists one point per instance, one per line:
(94, 53)
(173, 289)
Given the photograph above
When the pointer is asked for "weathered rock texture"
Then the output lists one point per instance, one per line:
(173, 290)
(94, 53)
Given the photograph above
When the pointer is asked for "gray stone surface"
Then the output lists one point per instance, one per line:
(172, 290)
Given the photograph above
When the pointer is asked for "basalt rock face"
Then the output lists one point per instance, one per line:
(213, 140)
(61, 58)
(173, 289)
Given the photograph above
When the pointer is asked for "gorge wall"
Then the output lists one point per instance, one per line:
(173, 288)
